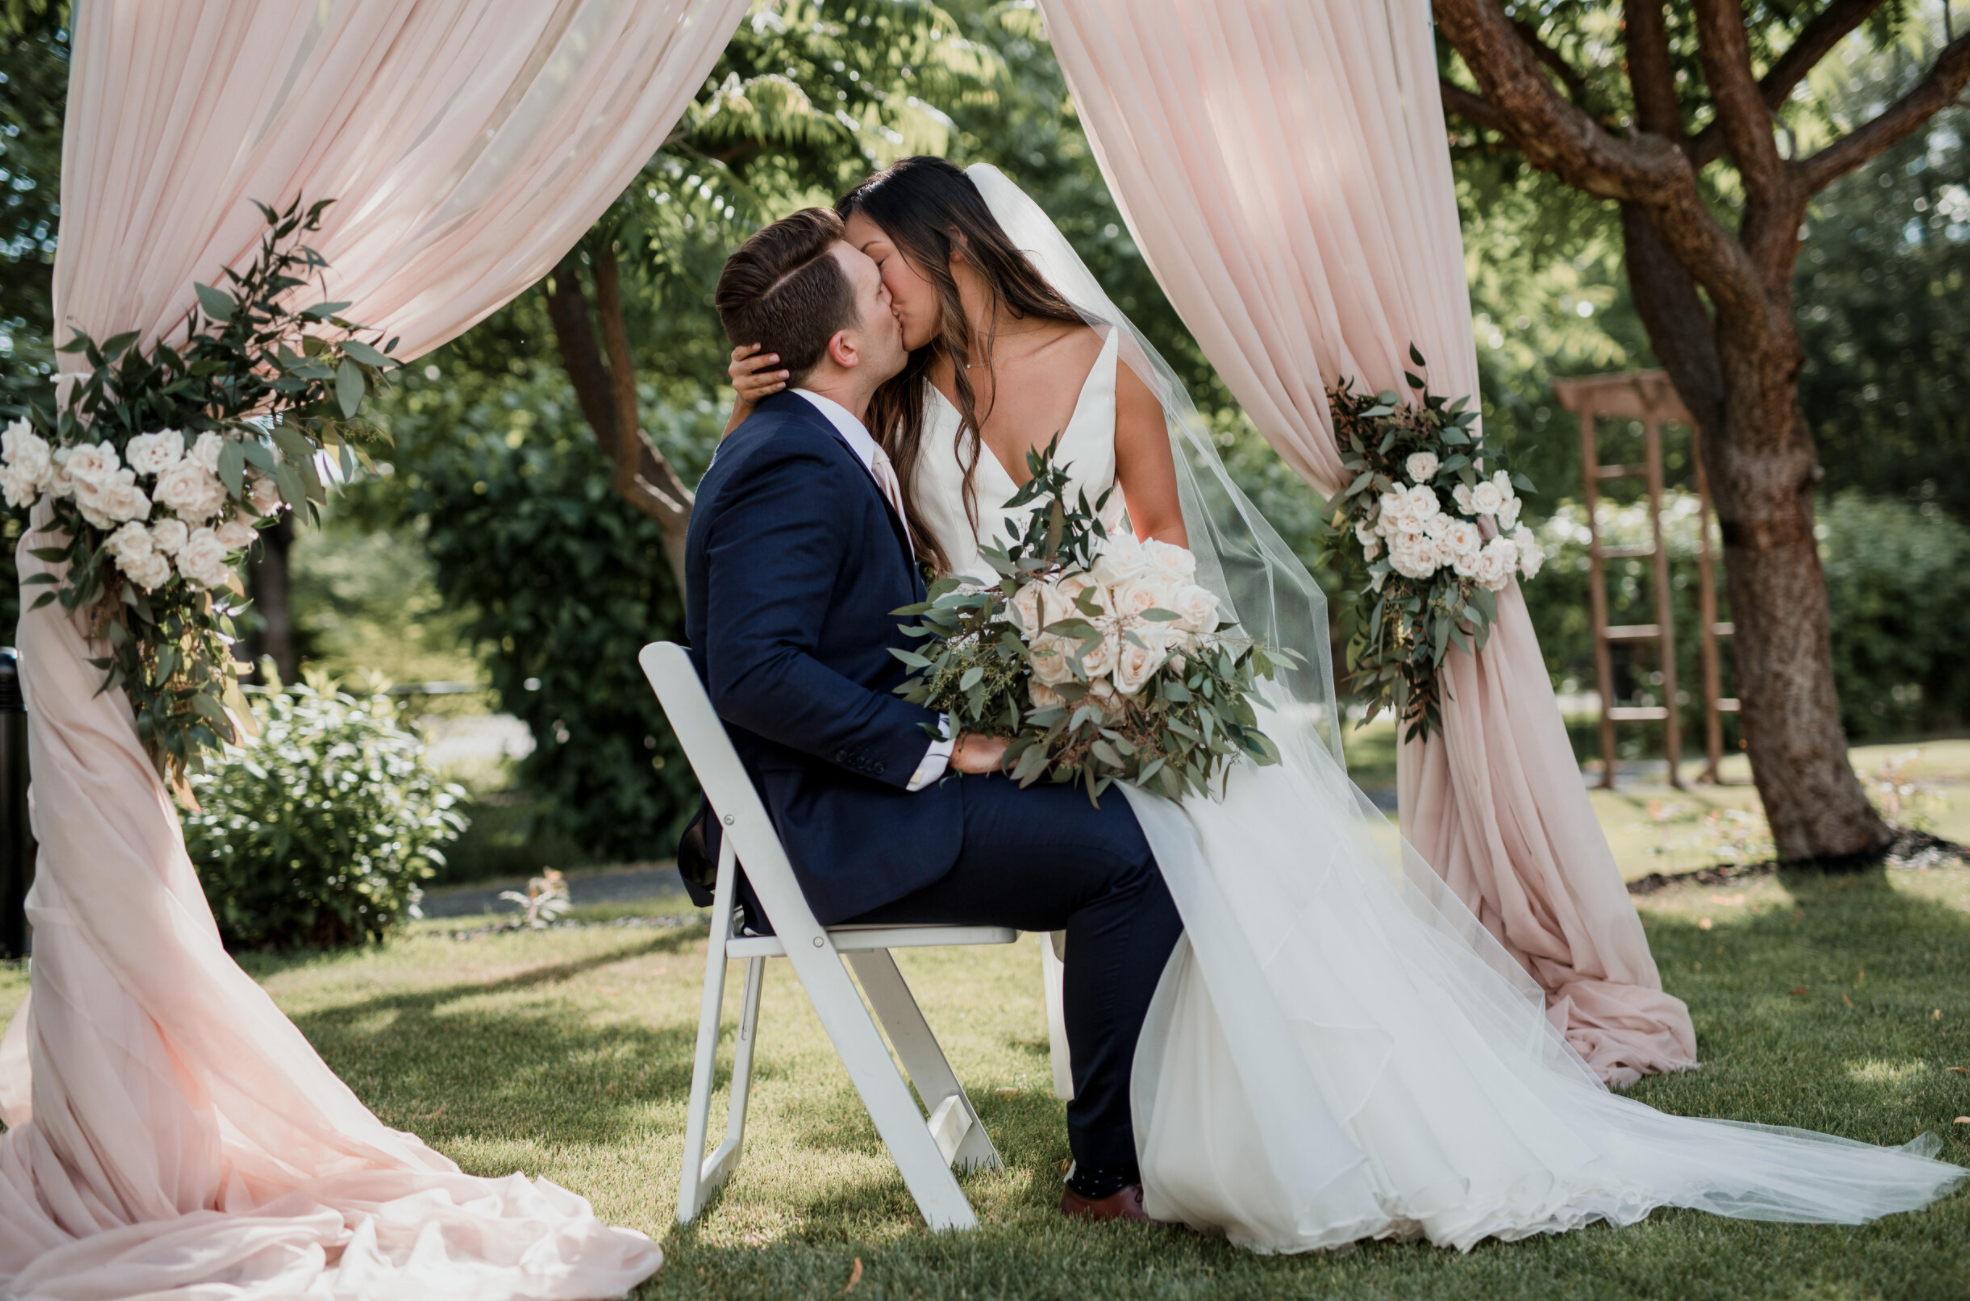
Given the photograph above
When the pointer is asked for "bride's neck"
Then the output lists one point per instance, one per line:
(986, 313)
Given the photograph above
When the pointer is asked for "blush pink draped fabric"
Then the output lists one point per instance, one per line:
(170, 1133)
(1284, 169)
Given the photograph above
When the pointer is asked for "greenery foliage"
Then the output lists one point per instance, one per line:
(256, 389)
(1096, 655)
(319, 833)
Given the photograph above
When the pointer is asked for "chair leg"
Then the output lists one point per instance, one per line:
(720, 1165)
(925, 1168)
(960, 1136)
(693, 1186)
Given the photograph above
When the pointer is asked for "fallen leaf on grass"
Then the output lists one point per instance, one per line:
(1936, 1015)
(1703, 923)
(1960, 1070)
(1848, 1001)
(1963, 1120)
(1007, 1092)
(854, 1275)
(1800, 991)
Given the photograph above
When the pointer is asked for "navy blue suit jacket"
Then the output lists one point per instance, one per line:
(793, 564)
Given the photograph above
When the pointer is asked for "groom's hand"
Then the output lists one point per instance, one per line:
(979, 754)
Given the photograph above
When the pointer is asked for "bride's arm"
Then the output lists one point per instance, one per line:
(1143, 465)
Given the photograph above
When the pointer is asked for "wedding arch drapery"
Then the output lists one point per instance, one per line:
(1284, 169)
(170, 1132)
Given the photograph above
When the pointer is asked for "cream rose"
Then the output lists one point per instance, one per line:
(1121, 559)
(1139, 658)
(1394, 510)
(167, 535)
(1486, 499)
(236, 534)
(203, 559)
(1044, 696)
(1496, 563)
(149, 571)
(1034, 606)
(129, 542)
(1151, 591)
(111, 500)
(1196, 609)
(263, 493)
(20, 485)
(91, 463)
(1098, 657)
(1068, 591)
(1422, 466)
(193, 492)
(1530, 557)
(206, 450)
(27, 451)
(1048, 656)
(1423, 504)
(1168, 558)
(1463, 537)
(1461, 494)
(155, 453)
(1411, 555)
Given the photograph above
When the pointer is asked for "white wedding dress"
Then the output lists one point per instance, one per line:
(1338, 1050)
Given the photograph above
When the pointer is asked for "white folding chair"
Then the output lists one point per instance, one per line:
(924, 1150)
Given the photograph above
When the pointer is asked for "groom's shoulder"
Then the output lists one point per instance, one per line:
(785, 428)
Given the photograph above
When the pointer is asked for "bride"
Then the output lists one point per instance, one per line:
(1337, 1049)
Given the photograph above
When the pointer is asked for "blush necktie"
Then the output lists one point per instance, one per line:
(892, 487)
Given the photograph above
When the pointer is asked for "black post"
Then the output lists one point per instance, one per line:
(16, 838)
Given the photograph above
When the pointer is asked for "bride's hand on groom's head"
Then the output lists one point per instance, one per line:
(978, 754)
(755, 374)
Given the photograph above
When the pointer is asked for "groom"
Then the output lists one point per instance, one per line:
(797, 554)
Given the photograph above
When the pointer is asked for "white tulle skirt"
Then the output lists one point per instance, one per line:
(1338, 1051)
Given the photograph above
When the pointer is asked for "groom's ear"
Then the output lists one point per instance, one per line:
(844, 349)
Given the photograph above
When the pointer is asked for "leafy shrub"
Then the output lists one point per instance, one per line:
(319, 832)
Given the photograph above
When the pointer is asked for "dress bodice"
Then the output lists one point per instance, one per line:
(1087, 450)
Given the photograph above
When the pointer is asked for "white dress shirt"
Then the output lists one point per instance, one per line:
(938, 757)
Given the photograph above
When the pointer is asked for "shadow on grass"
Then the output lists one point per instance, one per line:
(456, 1061)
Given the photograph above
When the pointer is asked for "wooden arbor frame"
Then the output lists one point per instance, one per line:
(1648, 396)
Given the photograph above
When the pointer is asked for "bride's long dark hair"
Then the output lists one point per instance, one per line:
(926, 205)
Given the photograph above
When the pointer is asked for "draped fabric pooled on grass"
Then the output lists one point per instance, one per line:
(169, 1131)
(1285, 171)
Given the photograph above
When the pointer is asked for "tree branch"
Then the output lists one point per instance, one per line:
(1576, 85)
(1817, 39)
(1742, 114)
(1896, 123)
(1650, 77)
(1556, 136)
(1472, 108)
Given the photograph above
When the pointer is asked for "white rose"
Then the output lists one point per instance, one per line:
(20, 486)
(1496, 563)
(1437, 525)
(1098, 657)
(203, 559)
(1394, 507)
(1196, 609)
(1508, 514)
(1461, 494)
(1151, 591)
(1069, 589)
(1034, 606)
(1464, 538)
(1049, 660)
(1411, 555)
(1503, 483)
(1168, 558)
(1422, 466)
(263, 493)
(1530, 557)
(206, 450)
(1423, 504)
(1121, 559)
(1371, 548)
(1486, 499)
(168, 534)
(1365, 533)
(155, 453)
(110, 501)
(1441, 552)
(27, 451)
(1044, 696)
(130, 542)
(1139, 660)
(192, 491)
(236, 534)
(149, 571)
(91, 462)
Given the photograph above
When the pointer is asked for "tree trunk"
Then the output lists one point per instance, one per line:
(1741, 385)
(268, 575)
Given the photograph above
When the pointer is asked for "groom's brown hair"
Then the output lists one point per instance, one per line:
(785, 291)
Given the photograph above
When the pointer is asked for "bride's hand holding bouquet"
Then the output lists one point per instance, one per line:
(1095, 658)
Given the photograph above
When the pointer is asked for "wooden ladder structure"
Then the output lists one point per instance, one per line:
(1649, 397)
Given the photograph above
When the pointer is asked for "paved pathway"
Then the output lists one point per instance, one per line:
(611, 885)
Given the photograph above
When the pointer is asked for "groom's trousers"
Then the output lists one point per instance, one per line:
(1045, 859)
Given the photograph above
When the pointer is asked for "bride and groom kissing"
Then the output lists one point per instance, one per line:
(1273, 1031)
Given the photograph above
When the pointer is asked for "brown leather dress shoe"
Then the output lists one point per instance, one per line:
(1124, 1205)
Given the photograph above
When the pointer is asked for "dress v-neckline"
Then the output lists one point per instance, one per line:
(1080, 400)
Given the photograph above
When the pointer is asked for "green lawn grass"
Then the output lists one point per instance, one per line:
(568, 1054)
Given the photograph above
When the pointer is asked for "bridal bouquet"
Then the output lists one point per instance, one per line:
(1423, 538)
(1099, 657)
(162, 467)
